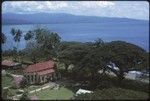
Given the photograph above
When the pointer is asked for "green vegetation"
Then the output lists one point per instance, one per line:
(51, 94)
(18, 71)
(114, 94)
(81, 62)
(6, 81)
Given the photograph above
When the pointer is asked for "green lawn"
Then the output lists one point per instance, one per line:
(6, 81)
(51, 94)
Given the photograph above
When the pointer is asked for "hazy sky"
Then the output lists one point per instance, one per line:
(127, 9)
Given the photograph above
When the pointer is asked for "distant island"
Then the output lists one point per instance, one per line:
(51, 18)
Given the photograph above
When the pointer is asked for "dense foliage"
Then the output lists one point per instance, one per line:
(113, 94)
(87, 59)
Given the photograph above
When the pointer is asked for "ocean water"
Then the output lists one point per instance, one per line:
(134, 33)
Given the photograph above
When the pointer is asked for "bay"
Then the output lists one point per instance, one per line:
(133, 33)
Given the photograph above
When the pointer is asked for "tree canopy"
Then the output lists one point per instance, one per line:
(125, 56)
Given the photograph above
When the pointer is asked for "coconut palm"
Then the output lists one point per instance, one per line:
(16, 33)
(29, 35)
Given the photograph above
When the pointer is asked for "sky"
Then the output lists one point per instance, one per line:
(123, 9)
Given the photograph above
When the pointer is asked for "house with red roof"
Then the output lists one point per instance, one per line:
(10, 64)
(40, 73)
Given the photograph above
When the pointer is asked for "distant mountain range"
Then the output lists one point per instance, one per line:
(48, 18)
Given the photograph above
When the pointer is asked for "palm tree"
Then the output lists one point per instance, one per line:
(28, 35)
(3, 38)
(16, 33)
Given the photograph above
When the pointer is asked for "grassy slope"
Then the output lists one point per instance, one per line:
(114, 94)
(118, 93)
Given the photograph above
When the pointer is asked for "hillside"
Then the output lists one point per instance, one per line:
(48, 18)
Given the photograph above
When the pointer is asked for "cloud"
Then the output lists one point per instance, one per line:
(11, 6)
(95, 4)
(129, 9)
(30, 6)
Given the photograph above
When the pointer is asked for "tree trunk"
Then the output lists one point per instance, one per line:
(66, 68)
(120, 77)
(17, 51)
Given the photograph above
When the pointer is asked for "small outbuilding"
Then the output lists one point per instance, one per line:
(83, 91)
(133, 75)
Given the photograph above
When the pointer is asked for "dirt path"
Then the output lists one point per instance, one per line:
(49, 85)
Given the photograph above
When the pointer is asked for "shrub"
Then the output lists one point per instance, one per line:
(25, 96)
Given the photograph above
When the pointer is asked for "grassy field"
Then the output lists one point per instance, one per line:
(51, 94)
(6, 81)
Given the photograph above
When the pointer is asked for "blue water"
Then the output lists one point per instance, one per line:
(134, 33)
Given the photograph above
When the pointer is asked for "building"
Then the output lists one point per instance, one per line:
(40, 73)
(10, 64)
(134, 75)
(83, 91)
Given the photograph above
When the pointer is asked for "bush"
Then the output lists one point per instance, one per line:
(24, 83)
(25, 96)
(109, 82)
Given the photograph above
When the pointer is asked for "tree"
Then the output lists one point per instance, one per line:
(25, 84)
(98, 42)
(14, 53)
(3, 38)
(25, 96)
(32, 50)
(72, 53)
(125, 56)
(46, 41)
(29, 35)
(16, 33)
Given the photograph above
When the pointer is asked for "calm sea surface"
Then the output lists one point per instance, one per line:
(83, 32)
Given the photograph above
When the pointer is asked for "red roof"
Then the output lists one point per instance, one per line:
(8, 63)
(40, 66)
(45, 72)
